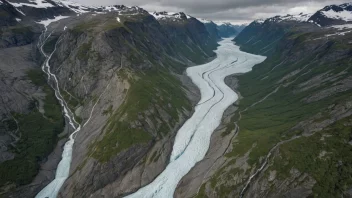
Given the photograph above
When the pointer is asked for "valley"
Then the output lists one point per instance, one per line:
(193, 138)
(118, 101)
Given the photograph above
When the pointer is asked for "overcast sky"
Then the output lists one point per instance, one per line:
(235, 11)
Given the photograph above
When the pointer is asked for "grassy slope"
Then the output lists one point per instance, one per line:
(271, 121)
(38, 136)
(153, 89)
(150, 88)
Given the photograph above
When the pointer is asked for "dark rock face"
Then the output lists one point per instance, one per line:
(212, 28)
(260, 37)
(191, 32)
(8, 14)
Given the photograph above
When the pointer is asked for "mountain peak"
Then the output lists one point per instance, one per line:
(174, 16)
(333, 15)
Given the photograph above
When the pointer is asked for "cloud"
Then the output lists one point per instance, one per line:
(237, 11)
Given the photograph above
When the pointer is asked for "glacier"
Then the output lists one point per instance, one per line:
(193, 138)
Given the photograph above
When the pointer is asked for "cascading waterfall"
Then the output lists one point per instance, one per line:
(63, 168)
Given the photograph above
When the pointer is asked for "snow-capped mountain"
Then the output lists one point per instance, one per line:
(40, 9)
(333, 15)
(225, 29)
(173, 16)
(329, 15)
(302, 17)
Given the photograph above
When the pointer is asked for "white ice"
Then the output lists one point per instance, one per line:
(48, 21)
(204, 20)
(166, 15)
(342, 27)
(193, 139)
(343, 15)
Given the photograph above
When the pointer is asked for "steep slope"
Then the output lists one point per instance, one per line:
(212, 28)
(227, 29)
(120, 73)
(291, 133)
(30, 115)
(135, 122)
(222, 29)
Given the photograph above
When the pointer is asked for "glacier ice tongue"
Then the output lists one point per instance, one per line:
(193, 139)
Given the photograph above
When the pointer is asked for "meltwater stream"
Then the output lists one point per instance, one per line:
(193, 139)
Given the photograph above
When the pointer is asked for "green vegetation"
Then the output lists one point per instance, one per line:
(112, 24)
(85, 27)
(152, 89)
(272, 120)
(201, 193)
(83, 51)
(50, 45)
(332, 171)
(108, 111)
(38, 137)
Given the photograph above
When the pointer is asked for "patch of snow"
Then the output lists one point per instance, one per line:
(342, 27)
(65, 28)
(75, 7)
(118, 19)
(18, 10)
(220, 23)
(300, 18)
(18, 20)
(33, 3)
(48, 21)
(204, 20)
(339, 33)
(343, 15)
(260, 21)
(110, 8)
(166, 15)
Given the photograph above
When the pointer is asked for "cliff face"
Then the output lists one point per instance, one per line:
(293, 122)
(212, 29)
(121, 73)
(128, 65)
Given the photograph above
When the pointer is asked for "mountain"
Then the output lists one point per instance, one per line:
(112, 81)
(228, 30)
(115, 74)
(333, 15)
(223, 29)
(294, 116)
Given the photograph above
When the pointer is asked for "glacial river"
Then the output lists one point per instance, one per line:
(193, 139)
